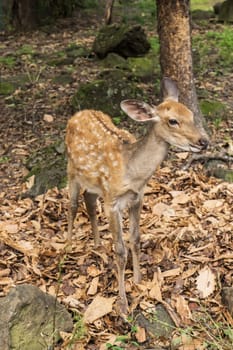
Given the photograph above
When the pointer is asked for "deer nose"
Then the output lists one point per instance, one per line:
(203, 142)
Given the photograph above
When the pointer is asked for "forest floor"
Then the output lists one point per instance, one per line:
(186, 221)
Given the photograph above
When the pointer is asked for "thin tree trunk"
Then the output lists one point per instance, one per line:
(108, 11)
(176, 53)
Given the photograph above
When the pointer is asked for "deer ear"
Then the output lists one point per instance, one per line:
(169, 90)
(140, 111)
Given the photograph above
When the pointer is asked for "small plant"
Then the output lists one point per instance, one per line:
(7, 61)
(26, 50)
(79, 331)
(4, 159)
(116, 120)
(205, 333)
(123, 342)
(33, 71)
(215, 48)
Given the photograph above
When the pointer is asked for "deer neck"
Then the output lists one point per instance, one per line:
(143, 157)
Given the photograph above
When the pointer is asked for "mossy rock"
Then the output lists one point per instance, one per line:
(125, 40)
(226, 11)
(49, 167)
(218, 169)
(159, 324)
(114, 60)
(106, 93)
(142, 67)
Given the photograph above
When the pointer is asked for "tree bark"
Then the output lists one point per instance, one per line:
(176, 52)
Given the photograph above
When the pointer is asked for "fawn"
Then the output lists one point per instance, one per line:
(108, 162)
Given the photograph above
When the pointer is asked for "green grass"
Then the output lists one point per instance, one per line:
(8, 61)
(205, 5)
(215, 50)
(26, 50)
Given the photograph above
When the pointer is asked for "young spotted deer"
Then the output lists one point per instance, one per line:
(108, 162)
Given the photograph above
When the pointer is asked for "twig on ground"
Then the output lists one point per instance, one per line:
(206, 157)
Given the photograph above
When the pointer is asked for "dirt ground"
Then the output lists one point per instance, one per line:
(186, 221)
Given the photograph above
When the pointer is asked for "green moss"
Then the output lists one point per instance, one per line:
(106, 93)
(114, 61)
(49, 167)
(142, 67)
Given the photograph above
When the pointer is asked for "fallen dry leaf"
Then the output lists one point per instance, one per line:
(186, 342)
(93, 286)
(48, 118)
(11, 228)
(140, 334)
(155, 286)
(99, 307)
(205, 282)
(182, 308)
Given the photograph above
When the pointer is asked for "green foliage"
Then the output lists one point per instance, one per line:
(4, 159)
(214, 49)
(212, 109)
(7, 61)
(116, 120)
(123, 342)
(154, 43)
(79, 331)
(139, 11)
(25, 50)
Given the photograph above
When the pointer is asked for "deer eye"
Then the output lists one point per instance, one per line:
(173, 122)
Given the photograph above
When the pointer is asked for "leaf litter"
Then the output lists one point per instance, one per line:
(186, 226)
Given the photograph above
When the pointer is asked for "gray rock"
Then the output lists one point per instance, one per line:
(158, 324)
(227, 298)
(31, 319)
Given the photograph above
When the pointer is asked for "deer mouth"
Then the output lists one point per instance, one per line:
(195, 148)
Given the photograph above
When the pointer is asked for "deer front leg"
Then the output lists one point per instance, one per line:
(121, 255)
(134, 218)
(74, 190)
(90, 201)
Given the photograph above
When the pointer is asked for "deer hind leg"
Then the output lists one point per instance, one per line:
(90, 201)
(121, 255)
(74, 190)
(134, 218)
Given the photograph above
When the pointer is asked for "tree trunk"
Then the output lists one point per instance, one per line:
(176, 53)
(108, 11)
(24, 14)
